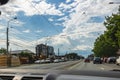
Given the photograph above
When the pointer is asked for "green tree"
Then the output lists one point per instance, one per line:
(108, 43)
(29, 55)
(72, 56)
(2, 51)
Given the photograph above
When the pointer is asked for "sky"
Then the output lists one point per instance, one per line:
(70, 25)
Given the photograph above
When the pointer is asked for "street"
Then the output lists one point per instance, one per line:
(70, 65)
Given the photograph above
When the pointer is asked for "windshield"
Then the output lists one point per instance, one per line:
(60, 34)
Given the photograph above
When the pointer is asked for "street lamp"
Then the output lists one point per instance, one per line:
(7, 42)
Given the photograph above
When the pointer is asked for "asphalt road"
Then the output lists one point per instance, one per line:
(71, 65)
(90, 66)
(54, 66)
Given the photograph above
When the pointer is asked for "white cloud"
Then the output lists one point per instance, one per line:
(26, 31)
(2, 27)
(58, 24)
(50, 19)
(80, 11)
(39, 31)
(82, 47)
(17, 44)
(30, 8)
(67, 1)
(77, 22)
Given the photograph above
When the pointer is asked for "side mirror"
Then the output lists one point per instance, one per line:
(2, 2)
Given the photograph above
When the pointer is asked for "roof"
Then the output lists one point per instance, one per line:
(19, 51)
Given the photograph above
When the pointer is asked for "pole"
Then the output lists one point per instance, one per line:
(7, 45)
(58, 52)
(7, 41)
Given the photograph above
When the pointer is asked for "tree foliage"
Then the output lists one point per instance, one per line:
(108, 43)
(26, 54)
(72, 56)
(2, 51)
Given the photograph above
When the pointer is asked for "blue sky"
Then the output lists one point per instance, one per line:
(71, 25)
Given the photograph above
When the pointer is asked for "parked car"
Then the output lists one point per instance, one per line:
(97, 60)
(111, 60)
(118, 61)
(37, 61)
(61, 60)
(105, 59)
(47, 61)
(42, 61)
(56, 60)
(87, 60)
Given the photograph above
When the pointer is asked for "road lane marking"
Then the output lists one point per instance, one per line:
(102, 68)
(75, 65)
(65, 66)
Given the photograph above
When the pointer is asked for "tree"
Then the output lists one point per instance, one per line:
(2, 51)
(72, 56)
(103, 48)
(25, 54)
(108, 43)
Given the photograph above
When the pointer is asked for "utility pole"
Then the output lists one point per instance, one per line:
(7, 42)
(58, 52)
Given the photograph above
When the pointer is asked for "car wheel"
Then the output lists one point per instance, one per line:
(117, 64)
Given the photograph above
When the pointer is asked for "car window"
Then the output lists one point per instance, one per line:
(60, 34)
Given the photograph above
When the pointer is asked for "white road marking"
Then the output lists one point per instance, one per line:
(102, 68)
(74, 66)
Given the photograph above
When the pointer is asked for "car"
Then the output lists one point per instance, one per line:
(37, 61)
(87, 60)
(42, 61)
(118, 61)
(97, 60)
(105, 60)
(111, 60)
(61, 60)
(56, 60)
(47, 61)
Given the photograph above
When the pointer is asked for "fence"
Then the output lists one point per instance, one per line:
(15, 61)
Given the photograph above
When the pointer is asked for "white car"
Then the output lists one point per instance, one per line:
(56, 60)
(47, 61)
(42, 61)
(118, 61)
(38, 61)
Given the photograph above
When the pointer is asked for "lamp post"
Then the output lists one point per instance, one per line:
(7, 41)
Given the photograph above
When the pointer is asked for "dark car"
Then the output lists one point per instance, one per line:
(111, 60)
(87, 60)
(97, 60)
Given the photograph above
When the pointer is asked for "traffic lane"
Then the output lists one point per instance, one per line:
(84, 66)
(90, 66)
(53, 66)
(107, 66)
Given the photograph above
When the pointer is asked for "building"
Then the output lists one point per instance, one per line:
(44, 50)
(41, 49)
(24, 58)
(50, 51)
